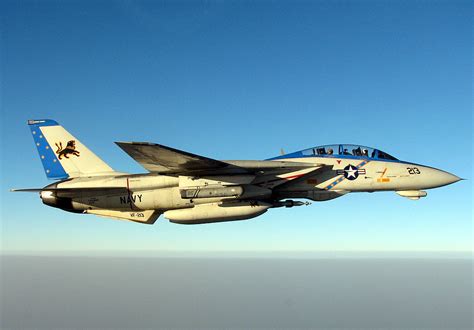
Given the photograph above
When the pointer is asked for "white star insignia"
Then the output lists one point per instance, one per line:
(351, 172)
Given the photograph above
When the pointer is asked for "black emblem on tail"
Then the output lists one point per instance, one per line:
(70, 149)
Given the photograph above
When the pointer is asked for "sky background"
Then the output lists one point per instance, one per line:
(240, 80)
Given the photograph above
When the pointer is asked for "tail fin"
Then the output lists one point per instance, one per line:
(63, 156)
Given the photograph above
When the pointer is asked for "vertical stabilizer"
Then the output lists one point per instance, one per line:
(63, 156)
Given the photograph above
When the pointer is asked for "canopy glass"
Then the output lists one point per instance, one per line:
(341, 151)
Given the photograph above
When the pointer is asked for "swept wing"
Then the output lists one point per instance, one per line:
(165, 160)
(161, 159)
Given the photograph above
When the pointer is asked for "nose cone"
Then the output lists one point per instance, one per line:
(439, 178)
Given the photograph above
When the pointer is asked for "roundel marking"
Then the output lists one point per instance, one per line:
(351, 172)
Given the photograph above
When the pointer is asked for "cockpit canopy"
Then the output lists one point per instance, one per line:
(341, 150)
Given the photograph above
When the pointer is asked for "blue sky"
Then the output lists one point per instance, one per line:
(240, 80)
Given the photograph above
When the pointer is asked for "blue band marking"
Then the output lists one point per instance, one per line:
(342, 178)
(51, 164)
(42, 122)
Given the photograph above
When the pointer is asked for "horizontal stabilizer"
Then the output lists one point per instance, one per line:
(27, 190)
(161, 159)
(147, 217)
(73, 192)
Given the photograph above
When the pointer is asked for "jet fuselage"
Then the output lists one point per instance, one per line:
(192, 189)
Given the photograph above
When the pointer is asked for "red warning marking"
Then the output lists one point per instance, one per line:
(338, 161)
(293, 176)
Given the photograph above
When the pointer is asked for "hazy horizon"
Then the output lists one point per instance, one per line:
(244, 254)
(204, 293)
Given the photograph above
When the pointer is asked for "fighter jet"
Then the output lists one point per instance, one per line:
(190, 189)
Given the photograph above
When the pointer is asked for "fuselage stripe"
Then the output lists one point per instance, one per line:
(342, 178)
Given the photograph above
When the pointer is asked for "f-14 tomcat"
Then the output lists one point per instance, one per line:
(191, 189)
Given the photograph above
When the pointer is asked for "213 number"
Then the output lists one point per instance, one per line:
(413, 170)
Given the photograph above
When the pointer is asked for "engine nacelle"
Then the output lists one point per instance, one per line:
(217, 212)
(50, 198)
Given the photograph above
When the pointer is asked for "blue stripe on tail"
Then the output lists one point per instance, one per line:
(51, 164)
